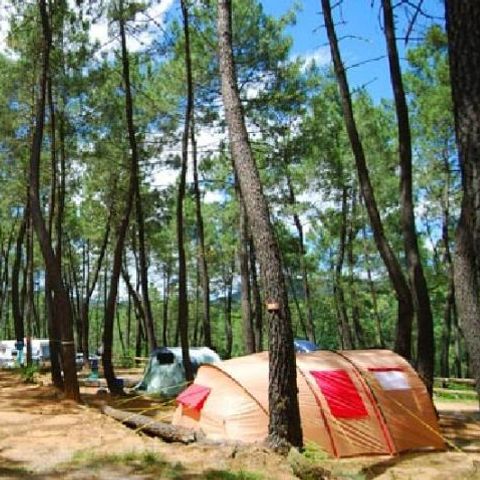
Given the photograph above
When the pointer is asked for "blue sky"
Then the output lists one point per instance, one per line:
(362, 25)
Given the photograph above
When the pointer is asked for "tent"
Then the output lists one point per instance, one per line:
(351, 402)
(165, 374)
(304, 346)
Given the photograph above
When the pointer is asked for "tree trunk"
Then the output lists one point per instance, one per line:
(91, 283)
(111, 302)
(73, 286)
(397, 279)
(129, 323)
(421, 297)
(197, 331)
(4, 300)
(202, 257)
(16, 309)
(449, 307)
(284, 418)
(166, 299)
(182, 265)
(358, 332)
(463, 23)
(248, 334)
(345, 331)
(138, 337)
(228, 280)
(149, 323)
(373, 292)
(447, 331)
(53, 324)
(303, 265)
(137, 303)
(52, 264)
(291, 286)
(29, 308)
(458, 344)
(257, 300)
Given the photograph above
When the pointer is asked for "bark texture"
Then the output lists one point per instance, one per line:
(256, 298)
(284, 418)
(421, 297)
(182, 264)
(202, 253)
(247, 318)
(61, 302)
(396, 276)
(345, 332)
(165, 431)
(463, 24)
(111, 301)
(309, 324)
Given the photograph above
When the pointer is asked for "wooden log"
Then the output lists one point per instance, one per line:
(464, 381)
(467, 393)
(101, 382)
(165, 431)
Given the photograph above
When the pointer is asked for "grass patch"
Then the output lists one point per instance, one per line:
(8, 471)
(138, 462)
(314, 453)
(455, 397)
(29, 373)
(310, 464)
(149, 463)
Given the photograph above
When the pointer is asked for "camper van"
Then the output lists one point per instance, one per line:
(9, 352)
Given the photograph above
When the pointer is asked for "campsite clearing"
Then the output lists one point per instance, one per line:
(43, 438)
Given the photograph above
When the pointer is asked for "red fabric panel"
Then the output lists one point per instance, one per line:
(194, 396)
(340, 393)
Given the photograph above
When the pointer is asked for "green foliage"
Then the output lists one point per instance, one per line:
(314, 453)
(148, 463)
(309, 465)
(300, 146)
(142, 462)
(29, 373)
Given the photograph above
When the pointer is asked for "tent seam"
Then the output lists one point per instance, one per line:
(240, 385)
(322, 413)
(375, 403)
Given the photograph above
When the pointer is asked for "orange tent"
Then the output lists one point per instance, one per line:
(351, 402)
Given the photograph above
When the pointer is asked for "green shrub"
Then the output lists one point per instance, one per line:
(29, 373)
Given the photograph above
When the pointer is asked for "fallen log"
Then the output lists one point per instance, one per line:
(165, 431)
(464, 381)
(101, 382)
(467, 393)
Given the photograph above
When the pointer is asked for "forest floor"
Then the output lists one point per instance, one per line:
(43, 437)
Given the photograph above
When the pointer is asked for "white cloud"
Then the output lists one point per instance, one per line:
(5, 12)
(216, 196)
(141, 31)
(137, 39)
(321, 56)
(208, 142)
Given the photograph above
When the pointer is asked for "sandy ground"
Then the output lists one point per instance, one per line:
(43, 437)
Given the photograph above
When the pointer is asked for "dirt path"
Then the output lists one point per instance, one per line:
(43, 438)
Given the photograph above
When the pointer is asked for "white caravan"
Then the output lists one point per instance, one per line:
(9, 353)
